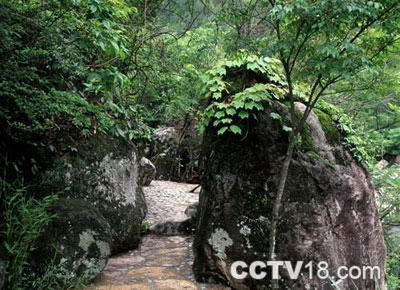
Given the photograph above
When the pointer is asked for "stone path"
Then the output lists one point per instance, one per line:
(161, 262)
(168, 200)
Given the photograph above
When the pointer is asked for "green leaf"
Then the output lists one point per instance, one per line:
(250, 105)
(254, 105)
(286, 128)
(243, 114)
(217, 95)
(259, 107)
(120, 132)
(252, 66)
(231, 111)
(219, 114)
(216, 123)
(220, 71)
(238, 104)
(222, 130)
(235, 129)
(276, 116)
(226, 120)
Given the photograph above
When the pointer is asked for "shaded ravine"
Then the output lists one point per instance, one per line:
(160, 262)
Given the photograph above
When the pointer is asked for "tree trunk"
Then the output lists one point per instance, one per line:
(277, 203)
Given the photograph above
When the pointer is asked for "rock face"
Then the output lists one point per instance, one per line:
(105, 174)
(78, 242)
(382, 164)
(328, 209)
(164, 153)
(175, 153)
(147, 171)
(2, 274)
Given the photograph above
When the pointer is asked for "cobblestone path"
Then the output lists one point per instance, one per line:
(161, 262)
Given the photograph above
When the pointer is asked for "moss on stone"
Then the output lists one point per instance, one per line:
(331, 132)
(314, 155)
(329, 164)
(307, 143)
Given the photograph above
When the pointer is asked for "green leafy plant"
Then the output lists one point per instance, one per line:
(387, 183)
(353, 139)
(25, 219)
(230, 102)
(393, 263)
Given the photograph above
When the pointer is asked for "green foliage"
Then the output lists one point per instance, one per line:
(332, 39)
(169, 74)
(360, 147)
(75, 68)
(387, 183)
(372, 100)
(234, 100)
(26, 218)
(62, 69)
(393, 132)
(393, 262)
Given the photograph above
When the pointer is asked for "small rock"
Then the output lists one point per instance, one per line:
(147, 171)
(382, 164)
(191, 210)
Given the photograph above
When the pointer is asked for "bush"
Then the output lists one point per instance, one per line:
(387, 183)
(25, 220)
(393, 263)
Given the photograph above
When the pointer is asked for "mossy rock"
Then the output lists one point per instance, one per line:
(77, 244)
(331, 132)
(325, 190)
(105, 172)
(305, 141)
(2, 273)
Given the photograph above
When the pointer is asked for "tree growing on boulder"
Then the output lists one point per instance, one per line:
(322, 43)
(319, 43)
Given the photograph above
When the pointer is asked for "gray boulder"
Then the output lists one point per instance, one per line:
(175, 152)
(192, 210)
(147, 171)
(164, 152)
(77, 244)
(105, 173)
(328, 209)
(2, 273)
(167, 138)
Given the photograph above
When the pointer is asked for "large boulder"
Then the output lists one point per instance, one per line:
(175, 152)
(77, 244)
(328, 209)
(164, 152)
(105, 173)
(2, 273)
